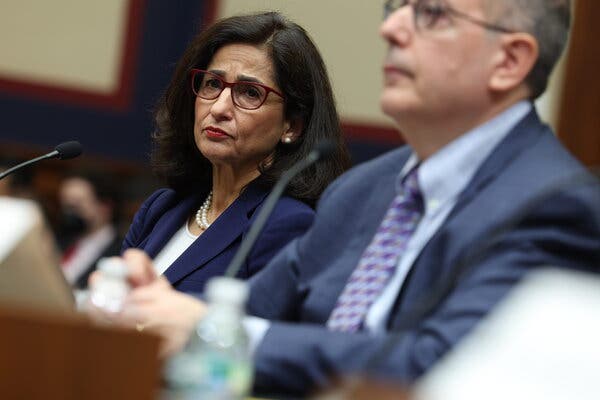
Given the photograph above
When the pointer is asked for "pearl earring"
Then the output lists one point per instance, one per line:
(287, 140)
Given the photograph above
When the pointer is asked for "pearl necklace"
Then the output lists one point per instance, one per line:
(202, 213)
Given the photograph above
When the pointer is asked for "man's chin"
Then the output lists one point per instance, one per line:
(394, 103)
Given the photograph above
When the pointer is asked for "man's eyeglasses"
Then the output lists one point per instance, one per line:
(428, 13)
(246, 95)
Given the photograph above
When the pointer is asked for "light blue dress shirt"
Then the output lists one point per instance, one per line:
(442, 177)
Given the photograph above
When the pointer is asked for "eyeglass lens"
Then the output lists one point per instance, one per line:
(245, 95)
(426, 12)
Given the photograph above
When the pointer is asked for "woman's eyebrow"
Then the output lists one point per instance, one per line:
(241, 77)
(247, 78)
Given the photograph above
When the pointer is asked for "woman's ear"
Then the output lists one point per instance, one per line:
(516, 58)
(292, 130)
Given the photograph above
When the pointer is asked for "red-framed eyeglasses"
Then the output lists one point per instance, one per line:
(244, 94)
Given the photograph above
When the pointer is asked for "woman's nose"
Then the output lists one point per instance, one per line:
(223, 105)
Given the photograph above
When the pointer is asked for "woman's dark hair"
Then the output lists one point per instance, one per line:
(301, 75)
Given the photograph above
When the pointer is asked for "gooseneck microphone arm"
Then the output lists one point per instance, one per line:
(322, 150)
(26, 163)
(63, 151)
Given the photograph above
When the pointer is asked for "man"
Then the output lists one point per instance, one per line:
(87, 230)
(419, 244)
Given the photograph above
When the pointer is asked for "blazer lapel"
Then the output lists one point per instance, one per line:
(168, 224)
(226, 229)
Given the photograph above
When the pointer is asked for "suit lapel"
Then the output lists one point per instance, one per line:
(168, 224)
(519, 139)
(381, 196)
(364, 206)
(370, 205)
(226, 229)
(421, 279)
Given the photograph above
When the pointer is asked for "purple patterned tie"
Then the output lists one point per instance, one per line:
(378, 262)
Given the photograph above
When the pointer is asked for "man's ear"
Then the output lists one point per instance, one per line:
(514, 60)
(292, 130)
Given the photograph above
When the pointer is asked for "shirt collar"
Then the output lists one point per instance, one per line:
(447, 172)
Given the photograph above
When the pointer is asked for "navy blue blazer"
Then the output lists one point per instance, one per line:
(299, 288)
(165, 211)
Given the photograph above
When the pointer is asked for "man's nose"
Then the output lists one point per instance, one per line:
(399, 26)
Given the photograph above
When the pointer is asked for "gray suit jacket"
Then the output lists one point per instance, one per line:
(299, 287)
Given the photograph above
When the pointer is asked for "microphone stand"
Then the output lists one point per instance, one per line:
(267, 209)
(64, 151)
(28, 162)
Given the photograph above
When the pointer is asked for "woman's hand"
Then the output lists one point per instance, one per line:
(141, 270)
(160, 309)
(152, 305)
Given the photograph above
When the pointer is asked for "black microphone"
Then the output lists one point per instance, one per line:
(322, 150)
(66, 150)
(63, 151)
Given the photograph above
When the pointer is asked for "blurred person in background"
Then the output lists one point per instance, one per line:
(249, 98)
(88, 226)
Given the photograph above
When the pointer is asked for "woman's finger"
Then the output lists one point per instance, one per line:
(141, 269)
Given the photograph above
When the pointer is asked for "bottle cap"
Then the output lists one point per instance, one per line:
(113, 267)
(222, 289)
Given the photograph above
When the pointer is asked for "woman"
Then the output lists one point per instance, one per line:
(249, 98)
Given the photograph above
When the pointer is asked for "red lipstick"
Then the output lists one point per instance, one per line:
(215, 133)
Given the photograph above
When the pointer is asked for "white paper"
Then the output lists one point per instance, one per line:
(541, 343)
(17, 217)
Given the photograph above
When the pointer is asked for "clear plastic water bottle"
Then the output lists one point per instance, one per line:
(215, 365)
(110, 289)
